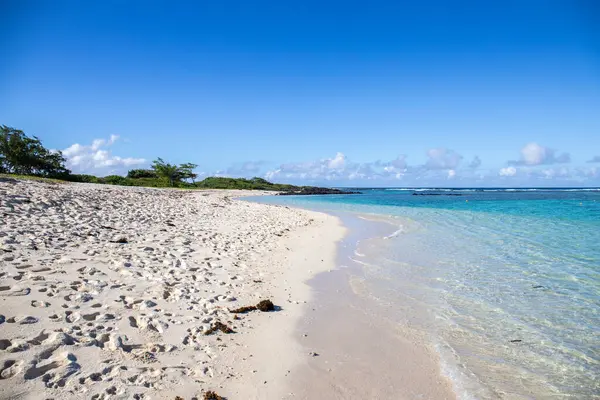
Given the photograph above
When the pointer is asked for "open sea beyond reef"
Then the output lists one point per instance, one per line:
(505, 282)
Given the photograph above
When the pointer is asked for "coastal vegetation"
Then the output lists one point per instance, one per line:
(22, 156)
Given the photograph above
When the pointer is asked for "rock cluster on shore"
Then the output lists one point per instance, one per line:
(310, 190)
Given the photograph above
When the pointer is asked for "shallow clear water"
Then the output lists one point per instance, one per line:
(507, 282)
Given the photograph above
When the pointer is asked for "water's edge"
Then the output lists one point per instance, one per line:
(361, 350)
(448, 287)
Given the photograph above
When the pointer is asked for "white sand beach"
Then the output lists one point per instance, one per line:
(108, 292)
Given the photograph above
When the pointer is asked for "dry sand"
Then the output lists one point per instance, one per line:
(107, 292)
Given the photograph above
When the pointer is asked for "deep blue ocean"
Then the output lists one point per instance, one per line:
(505, 281)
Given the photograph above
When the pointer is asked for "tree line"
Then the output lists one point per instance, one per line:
(24, 155)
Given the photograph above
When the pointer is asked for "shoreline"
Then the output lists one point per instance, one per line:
(273, 351)
(361, 351)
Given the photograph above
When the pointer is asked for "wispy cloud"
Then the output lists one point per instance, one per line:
(245, 169)
(442, 158)
(476, 163)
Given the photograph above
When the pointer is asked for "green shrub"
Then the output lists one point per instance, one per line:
(116, 180)
(141, 173)
(82, 178)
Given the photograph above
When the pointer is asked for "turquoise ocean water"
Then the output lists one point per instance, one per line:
(506, 282)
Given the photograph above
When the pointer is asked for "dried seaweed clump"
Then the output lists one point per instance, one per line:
(210, 395)
(243, 310)
(264, 306)
(219, 326)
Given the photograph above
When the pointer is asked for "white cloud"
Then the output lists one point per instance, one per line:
(535, 154)
(244, 169)
(443, 166)
(338, 162)
(593, 172)
(551, 173)
(441, 158)
(508, 171)
(96, 159)
(337, 167)
(395, 169)
(272, 174)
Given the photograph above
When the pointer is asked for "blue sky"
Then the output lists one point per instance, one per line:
(379, 93)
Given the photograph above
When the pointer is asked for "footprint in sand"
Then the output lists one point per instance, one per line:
(54, 369)
(6, 291)
(10, 368)
(90, 317)
(19, 277)
(22, 320)
(13, 346)
(72, 317)
(38, 303)
(149, 323)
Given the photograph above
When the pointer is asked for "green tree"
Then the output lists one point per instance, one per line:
(20, 154)
(165, 170)
(141, 173)
(187, 171)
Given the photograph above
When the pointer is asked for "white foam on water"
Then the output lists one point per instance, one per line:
(356, 253)
(464, 383)
(395, 233)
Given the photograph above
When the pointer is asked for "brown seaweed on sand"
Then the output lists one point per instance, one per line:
(219, 326)
(264, 306)
(210, 395)
(243, 310)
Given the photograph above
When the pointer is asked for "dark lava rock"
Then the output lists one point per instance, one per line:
(312, 190)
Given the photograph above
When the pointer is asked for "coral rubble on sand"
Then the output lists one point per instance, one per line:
(107, 291)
